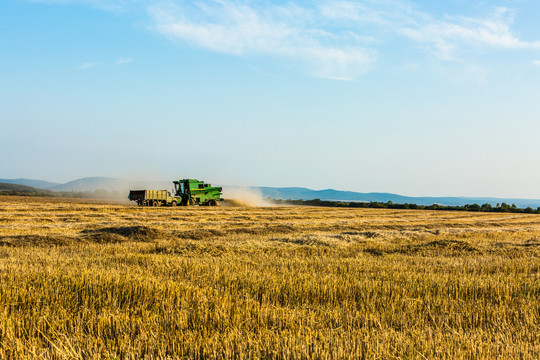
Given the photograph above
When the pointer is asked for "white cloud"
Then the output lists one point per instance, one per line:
(536, 62)
(447, 37)
(87, 65)
(337, 39)
(122, 61)
(281, 31)
(384, 13)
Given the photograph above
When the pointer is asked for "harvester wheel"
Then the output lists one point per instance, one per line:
(173, 204)
(212, 203)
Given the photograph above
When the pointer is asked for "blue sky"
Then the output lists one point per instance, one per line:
(409, 97)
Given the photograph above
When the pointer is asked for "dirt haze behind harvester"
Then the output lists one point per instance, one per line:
(245, 196)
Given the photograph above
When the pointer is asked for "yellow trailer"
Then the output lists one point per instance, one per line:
(152, 197)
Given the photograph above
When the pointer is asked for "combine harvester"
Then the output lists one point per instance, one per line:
(187, 192)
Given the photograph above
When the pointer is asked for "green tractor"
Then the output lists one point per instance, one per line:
(186, 192)
(195, 192)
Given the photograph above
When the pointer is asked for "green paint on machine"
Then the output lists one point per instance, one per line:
(186, 192)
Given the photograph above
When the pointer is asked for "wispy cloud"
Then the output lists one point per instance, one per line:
(240, 28)
(448, 37)
(536, 62)
(339, 39)
(122, 61)
(335, 39)
(87, 65)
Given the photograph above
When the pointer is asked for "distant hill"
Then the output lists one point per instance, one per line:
(122, 186)
(89, 184)
(16, 189)
(296, 193)
(38, 184)
(109, 184)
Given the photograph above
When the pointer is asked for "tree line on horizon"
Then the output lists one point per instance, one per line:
(500, 207)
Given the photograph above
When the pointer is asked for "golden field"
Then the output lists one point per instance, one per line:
(101, 280)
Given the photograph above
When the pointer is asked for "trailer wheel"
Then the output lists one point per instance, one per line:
(173, 204)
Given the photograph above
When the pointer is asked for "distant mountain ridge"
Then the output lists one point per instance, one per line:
(110, 184)
(91, 184)
(38, 184)
(293, 193)
(11, 188)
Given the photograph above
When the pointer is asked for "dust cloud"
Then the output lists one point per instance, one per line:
(244, 196)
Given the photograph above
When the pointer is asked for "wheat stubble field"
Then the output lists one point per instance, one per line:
(97, 280)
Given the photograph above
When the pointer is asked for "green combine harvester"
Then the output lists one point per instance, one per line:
(187, 192)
